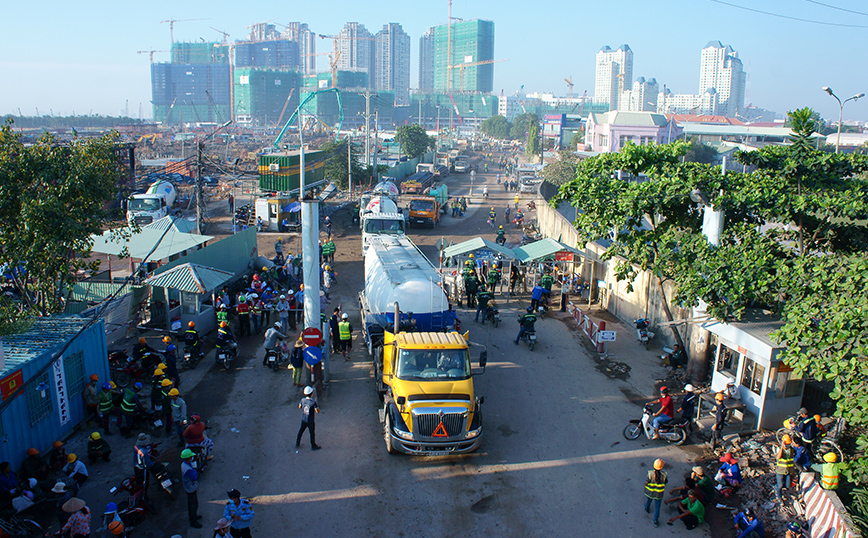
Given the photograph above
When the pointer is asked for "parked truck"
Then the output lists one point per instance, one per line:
(417, 183)
(461, 164)
(422, 365)
(153, 204)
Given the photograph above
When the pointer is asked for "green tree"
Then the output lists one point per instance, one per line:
(532, 147)
(496, 127)
(414, 141)
(52, 198)
(563, 170)
(336, 163)
(700, 153)
(521, 124)
(577, 138)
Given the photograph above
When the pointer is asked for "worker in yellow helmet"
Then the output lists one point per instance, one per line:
(830, 470)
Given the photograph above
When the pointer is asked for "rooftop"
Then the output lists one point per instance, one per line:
(42, 336)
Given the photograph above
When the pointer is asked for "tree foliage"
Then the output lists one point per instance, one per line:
(563, 170)
(532, 147)
(414, 141)
(52, 198)
(496, 127)
(336, 164)
(700, 153)
(521, 124)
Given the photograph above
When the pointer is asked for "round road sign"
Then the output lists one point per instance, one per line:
(311, 336)
(312, 355)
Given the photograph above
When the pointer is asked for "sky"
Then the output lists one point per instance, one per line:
(81, 57)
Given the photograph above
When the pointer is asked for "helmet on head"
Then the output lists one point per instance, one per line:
(830, 457)
(719, 397)
(191, 324)
(749, 513)
(530, 309)
(224, 324)
(57, 444)
(277, 325)
(195, 417)
(32, 451)
(138, 386)
(659, 464)
(71, 458)
(817, 418)
(112, 385)
(345, 316)
(95, 436)
(253, 296)
(492, 209)
(689, 388)
(174, 392)
(255, 277)
(94, 377)
(264, 268)
(166, 383)
(467, 263)
(167, 340)
(664, 389)
(471, 256)
(793, 526)
(187, 454)
(308, 391)
(171, 347)
(111, 507)
(162, 366)
(786, 439)
(107, 386)
(282, 297)
(242, 298)
(141, 339)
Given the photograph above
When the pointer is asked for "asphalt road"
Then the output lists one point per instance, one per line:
(553, 460)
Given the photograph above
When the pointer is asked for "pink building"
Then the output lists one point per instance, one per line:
(607, 133)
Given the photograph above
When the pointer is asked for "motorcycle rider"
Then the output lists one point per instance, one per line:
(688, 405)
(482, 299)
(224, 337)
(665, 413)
(501, 235)
(272, 335)
(492, 217)
(519, 217)
(191, 340)
(527, 322)
(485, 191)
(194, 435)
(471, 288)
(141, 351)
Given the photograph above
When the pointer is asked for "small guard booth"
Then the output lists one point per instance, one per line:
(189, 295)
(745, 353)
(41, 383)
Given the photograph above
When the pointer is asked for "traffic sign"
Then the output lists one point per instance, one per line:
(311, 336)
(312, 355)
(605, 336)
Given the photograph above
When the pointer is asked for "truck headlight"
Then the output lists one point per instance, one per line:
(474, 433)
(403, 435)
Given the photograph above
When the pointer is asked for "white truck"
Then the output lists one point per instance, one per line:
(380, 216)
(153, 204)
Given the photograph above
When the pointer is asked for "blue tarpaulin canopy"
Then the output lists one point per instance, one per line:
(294, 207)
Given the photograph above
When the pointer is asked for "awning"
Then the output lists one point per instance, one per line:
(542, 249)
(138, 245)
(478, 245)
(184, 226)
(191, 277)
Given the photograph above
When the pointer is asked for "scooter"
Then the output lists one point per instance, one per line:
(160, 471)
(226, 354)
(133, 510)
(275, 357)
(531, 206)
(200, 460)
(493, 315)
(500, 240)
(124, 368)
(192, 355)
(674, 431)
(529, 337)
(642, 332)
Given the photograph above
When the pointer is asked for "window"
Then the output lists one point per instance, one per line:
(40, 406)
(727, 361)
(73, 369)
(752, 376)
(604, 141)
(786, 384)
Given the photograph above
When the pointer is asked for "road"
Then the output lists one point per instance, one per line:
(553, 461)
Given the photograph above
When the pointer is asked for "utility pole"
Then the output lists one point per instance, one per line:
(449, 49)
(367, 96)
(376, 139)
(200, 194)
(350, 164)
(420, 111)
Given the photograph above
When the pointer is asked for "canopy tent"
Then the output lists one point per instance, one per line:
(193, 281)
(543, 249)
(478, 246)
(138, 245)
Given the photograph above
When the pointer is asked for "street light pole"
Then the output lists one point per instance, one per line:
(840, 112)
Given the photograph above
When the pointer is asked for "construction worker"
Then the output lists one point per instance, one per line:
(783, 466)
(483, 298)
(328, 251)
(471, 288)
(501, 235)
(345, 332)
(655, 486)
(719, 419)
(191, 340)
(255, 311)
(468, 269)
(243, 311)
(130, 405)
(547, 281)
(516, 199)
(106, 407)
(222, 313)
(527, 322)
(156, 387)
(166, 403)
(830, 470)
(492, 217)
(807, 427)
(493, 276)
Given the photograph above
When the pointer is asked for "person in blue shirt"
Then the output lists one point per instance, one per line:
(801, 458)
(239, 513)
(299, 301)
(729, 473)
(749, 525)
(536, 295)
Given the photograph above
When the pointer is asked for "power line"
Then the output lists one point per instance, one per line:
(788, 17)
(836, 7)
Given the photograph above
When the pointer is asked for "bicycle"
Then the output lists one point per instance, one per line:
(19, 526)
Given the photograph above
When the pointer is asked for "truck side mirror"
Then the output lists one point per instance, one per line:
(400, 400)
(483, 358)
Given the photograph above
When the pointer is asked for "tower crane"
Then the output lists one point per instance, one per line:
(150, 52)
(569, 82)
(225, 34)
(473, 64)
(172, 26)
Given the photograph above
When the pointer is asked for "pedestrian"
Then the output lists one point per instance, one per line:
(345, 333)
(98, 448)
(106, 407)
(231, 200)
(171, 362)
(334, 330)
(327, 281)
(64, 495)
(179, 414)
(91, 397)
(255, 312)
(282, 308)
(242, 309)
(78, 524)
(309, 409)
(278, 246)
(516, 199)
(299, 304)
(221, 528)
(655, 486)
(238, 513)
(296, 361)
(692, 511)
(719, 420)
(783, 466)
(190, 479)
(328, 227)
(482, 299)
(748, 526)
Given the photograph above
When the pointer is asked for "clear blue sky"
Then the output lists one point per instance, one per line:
(81, 56)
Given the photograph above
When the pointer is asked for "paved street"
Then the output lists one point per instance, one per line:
(553, 461)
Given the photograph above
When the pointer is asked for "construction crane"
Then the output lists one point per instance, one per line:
(584, 95)
(288, 97)
(474, 64)
(172, 26)
(569, 82)
(150, 52)
(225, 34)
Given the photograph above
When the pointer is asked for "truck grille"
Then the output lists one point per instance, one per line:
(144, 220)
(428, 423)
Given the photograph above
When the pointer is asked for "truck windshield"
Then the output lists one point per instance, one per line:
(379, 226)
(415, 364)
(421, 205)
(143, 204)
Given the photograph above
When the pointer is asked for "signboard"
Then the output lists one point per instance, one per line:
(564, 256)
(11, 382)
(312, 355)
(60, 389)
(605, 336)
(311, 336)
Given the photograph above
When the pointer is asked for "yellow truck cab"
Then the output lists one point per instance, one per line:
(424, 210)
(426, 382)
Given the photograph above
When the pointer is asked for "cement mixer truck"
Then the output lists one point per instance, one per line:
(153, 204)
(422, 366)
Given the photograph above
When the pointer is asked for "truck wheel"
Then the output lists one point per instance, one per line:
(387, 429)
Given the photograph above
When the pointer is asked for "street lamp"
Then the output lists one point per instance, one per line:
(840, 111)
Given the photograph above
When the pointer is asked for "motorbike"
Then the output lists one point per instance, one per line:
(642, 332)
(192, 356)
(133, 510)
(500, 240)
(124, 369)
(531, 206)
(518, 220)
(493, 315)
(529, 337)
(148, 421)
(226, 354)
(275, 357)
(674, 431)
(159, 470)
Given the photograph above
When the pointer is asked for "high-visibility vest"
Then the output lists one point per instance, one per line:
(128, 406)
(830, 475)
(654, 489)
(105, 402)
(785, 462)
(344, 330)
(222, 315)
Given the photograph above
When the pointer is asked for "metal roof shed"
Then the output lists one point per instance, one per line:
(192, 281)
(544, 248)
(50, 404)
(139, 245)
(483, 248)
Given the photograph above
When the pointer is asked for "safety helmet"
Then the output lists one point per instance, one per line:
(492, 209)
(94, 377)
(162, 366)
(255, 277)
(166, 383)
(786, 439)
(327, 268)
(830, 457)
(95, 436)
(138, 386)
(158, 372)
(57, 444)
(282, 297)
(111, 507)
(242, 298)
(174, 392)
(290, 292)
(32, 451)
(195, 417)
(345, 316)
(107, 386)
(501, 226)
(749, 513)
(186, 453)
(689, 388)
(664, 389)
(141, 339)
(277, 325)
(264, 268)
(471, 256)
(191, 324)
(224, 324)
(308, 391)
(659, 464)
(794, 526)
(467, 263)
(301, 287)
(71, 458)
(167, 340)
(171, 347)
(719, 397)
(817, 418)
(530, 309)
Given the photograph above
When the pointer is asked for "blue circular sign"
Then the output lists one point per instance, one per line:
(312, 355)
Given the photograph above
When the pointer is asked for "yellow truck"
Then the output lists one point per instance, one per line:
(424, 210)
(426, 382)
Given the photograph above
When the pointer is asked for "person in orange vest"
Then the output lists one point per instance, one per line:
(830, 470)
(655, 486)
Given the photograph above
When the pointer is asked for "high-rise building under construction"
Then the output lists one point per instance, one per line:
(468, 42)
